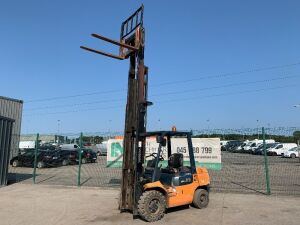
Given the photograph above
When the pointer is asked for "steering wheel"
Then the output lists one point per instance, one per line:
(154, 155)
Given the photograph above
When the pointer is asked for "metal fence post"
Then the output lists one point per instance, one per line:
(266, 162)
(35, 157)
(79, 162)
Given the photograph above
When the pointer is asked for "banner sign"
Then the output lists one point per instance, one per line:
(207, 151)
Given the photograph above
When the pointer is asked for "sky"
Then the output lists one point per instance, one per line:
(212, 64)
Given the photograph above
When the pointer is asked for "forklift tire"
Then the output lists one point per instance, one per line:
(152, 206)
(201, 198)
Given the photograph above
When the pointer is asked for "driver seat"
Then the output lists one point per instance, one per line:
(175, 162)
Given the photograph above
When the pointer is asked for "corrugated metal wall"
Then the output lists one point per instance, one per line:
(12, 108)
(6, 127)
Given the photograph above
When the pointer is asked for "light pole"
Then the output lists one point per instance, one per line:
(243, 131)
(159, 124)
(269, 130)
(58, 125)
(207, 127)
(109, 125)
(257, 130)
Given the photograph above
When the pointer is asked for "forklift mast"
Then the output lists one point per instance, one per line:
(132, 45)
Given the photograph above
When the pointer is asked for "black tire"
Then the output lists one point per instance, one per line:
(152, 206)
(15, 163)
(293, 156)
(65, 162)
(201, 198)
(40, 165)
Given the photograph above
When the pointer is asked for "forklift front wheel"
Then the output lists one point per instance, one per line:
(152, 205)
(201, 198)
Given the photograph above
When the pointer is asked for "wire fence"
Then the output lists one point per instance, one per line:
(252, 161)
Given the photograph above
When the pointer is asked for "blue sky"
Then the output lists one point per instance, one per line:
(195, 51)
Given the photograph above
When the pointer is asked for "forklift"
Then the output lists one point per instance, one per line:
(173, 185)
(148, 188)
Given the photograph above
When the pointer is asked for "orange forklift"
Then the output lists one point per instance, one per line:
(147, 189)
(172, 185)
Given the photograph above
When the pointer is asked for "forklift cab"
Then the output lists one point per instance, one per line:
(173, 172)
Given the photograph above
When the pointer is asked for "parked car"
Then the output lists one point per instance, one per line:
(292, 153)
(47, 147)
(239, 147)
(280, 148)
(230, 146)
(72, 156)
(260, 149)
(88, 156)
(44, 159)
(252, 145)
(253, 148)
(68, 156)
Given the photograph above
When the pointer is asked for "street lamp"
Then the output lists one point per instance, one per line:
(207, 127)
(109, 125)
(58, 124)
(257, 130)
(269, 130)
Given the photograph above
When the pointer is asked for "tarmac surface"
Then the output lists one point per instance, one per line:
(27, 204)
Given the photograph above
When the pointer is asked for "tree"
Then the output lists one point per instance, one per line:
(296, 135)
(92, 139)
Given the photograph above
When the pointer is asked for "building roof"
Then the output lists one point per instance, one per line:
(11, 99)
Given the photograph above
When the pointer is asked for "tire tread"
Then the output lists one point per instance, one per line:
(142, 204)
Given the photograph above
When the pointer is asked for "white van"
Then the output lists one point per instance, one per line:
(280, 148)
(69, 146)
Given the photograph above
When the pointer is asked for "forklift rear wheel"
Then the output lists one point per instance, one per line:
(201, 198)
(152, 206)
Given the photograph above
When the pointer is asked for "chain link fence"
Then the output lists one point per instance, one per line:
(253, 161)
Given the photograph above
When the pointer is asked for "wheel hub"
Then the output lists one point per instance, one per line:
(202, 198)
(154, 206)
